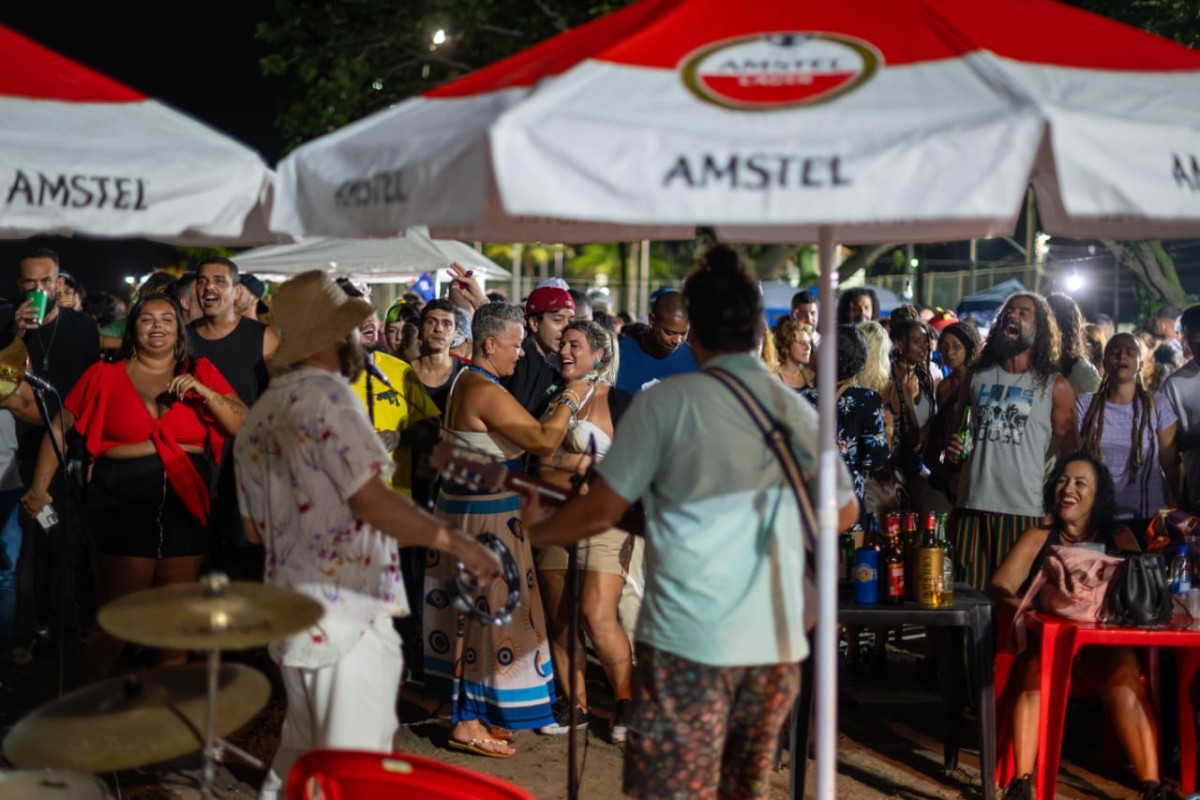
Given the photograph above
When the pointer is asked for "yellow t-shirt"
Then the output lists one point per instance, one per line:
(397, 409)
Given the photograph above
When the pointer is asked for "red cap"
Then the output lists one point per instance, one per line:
(548, 298)
(942, 319)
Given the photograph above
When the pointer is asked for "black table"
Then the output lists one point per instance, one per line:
(972, 612)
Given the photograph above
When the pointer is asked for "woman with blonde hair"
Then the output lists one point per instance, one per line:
(793, 352)
(874, 374)
(588, 353)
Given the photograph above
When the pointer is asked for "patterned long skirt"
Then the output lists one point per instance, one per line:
(499, 675)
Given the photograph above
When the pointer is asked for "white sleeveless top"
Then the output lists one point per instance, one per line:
(496, 444)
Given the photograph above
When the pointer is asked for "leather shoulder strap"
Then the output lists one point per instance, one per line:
(776, 435)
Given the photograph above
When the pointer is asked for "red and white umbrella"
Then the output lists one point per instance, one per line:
(891, 120)
(83, 154)
(784, 121)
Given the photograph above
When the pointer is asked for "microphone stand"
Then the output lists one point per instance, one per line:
(367, 357)
(572, 591)
(61, 572)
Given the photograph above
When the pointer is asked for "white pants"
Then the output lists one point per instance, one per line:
(349, 705)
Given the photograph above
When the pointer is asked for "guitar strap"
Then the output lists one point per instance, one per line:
(777, 436)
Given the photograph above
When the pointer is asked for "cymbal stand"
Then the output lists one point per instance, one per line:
(215, 747)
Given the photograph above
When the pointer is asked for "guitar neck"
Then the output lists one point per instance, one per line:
(517, 481)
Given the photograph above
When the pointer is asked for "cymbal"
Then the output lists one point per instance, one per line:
(51, 785)
(130, 722)
(214, 614)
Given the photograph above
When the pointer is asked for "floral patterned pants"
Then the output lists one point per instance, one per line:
(700, 731)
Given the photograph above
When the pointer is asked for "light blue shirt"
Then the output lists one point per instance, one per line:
(724, 547)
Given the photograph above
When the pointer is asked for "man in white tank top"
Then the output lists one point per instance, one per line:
(1022, 411)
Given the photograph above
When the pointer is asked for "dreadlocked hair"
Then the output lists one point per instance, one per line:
(899, 333)
(1143, 415)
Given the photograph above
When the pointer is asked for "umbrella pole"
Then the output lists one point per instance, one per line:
(826, 632)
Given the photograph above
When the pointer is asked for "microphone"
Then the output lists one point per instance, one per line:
(38, 382)
(377, 374)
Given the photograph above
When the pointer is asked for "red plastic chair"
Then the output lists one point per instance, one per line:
(361, 775)
(1006, 763)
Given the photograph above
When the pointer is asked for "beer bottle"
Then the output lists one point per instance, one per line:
(893, 570)
(909, 541)
(846, 555)
(965, 433)
(930, 566)
(948, 565)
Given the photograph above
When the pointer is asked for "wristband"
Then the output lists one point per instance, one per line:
(570, 400)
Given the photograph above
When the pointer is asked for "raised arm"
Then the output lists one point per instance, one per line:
(499, 412)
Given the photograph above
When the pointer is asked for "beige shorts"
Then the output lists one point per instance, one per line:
(607, 552)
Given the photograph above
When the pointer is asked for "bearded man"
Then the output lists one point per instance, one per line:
(311, 487)
(1022, 412)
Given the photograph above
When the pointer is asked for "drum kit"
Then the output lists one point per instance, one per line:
(162, 714)
(165, 713)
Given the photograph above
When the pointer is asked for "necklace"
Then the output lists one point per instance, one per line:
(491, 376)
(1066, 537)
(47, 347)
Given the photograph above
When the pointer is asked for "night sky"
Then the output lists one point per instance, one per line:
(200, 57)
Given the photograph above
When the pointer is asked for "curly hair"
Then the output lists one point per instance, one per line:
(1092, 427)
(1044, 360)
(1104, 509)
(724, 303)
(876, 372)
(598, 339)
(1093, 346)
(787, 332)
(183, 347)
(849, 296)
(901, 328)
(851, 352)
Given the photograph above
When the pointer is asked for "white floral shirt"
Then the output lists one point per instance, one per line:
(305, 449)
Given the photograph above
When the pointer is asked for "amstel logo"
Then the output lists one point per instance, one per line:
(779, 70)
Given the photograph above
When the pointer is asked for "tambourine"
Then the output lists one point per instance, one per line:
(466, 586)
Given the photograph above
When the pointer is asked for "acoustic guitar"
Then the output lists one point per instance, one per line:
(480, 471)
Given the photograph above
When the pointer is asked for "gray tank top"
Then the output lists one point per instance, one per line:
(1011, 418)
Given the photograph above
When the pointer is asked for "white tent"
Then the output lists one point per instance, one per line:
(392, 260)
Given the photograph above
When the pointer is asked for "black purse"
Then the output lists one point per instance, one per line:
(1141, 596)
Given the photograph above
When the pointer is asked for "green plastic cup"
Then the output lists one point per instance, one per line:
(39, 304)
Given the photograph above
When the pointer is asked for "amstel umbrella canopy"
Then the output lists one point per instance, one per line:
(886, 119)
(83, 154)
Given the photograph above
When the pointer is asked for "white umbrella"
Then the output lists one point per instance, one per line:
(83, 154)
(778, 121)
(900, 120)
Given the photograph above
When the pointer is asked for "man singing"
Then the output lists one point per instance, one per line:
(311, 486)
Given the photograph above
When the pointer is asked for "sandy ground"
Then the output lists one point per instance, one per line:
(889, 746)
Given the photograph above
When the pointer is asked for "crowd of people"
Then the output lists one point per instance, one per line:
(196, 436)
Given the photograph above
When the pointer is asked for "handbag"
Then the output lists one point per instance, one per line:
(1074, 582)
(775, 434)
(1140, 596)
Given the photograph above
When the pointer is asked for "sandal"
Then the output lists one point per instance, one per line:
(475, 747)
(498, 733)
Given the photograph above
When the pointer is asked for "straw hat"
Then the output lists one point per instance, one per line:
(312, 312)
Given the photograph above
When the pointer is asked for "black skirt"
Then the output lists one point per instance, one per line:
(133, 511)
